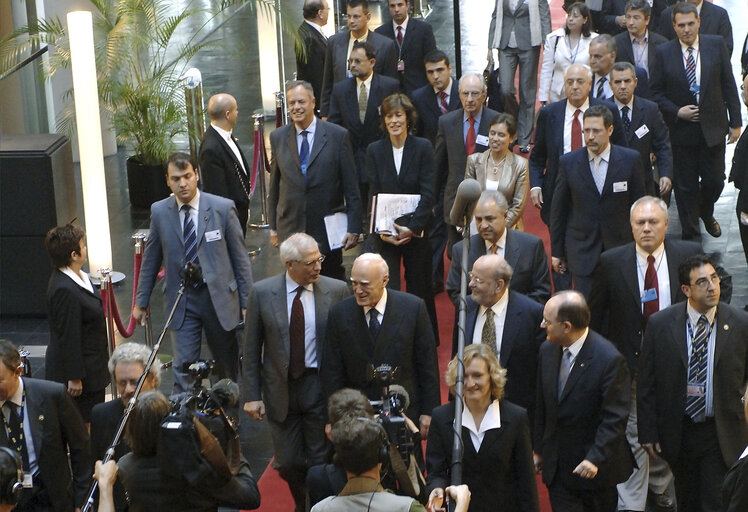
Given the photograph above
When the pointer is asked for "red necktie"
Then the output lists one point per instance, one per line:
(400, 35)
(296, 334)
(470, 139)
(650, 281)
(576, 131)
(443, 102)
(494, 248)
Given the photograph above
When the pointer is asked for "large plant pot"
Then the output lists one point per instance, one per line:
(146, 183)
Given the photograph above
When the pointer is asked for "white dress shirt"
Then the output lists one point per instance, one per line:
(491, 420)
(352, 40)
(575, 347)
(397, 155)
(446, 91)
(404, 27)
(600, 162)
(663, 276)
(367, 86)
(195, 204)
(697, 60)
(568, 118)
(230, 141)
(499, 319)
(640, 49)
(380, 307)
(309, 136)
(316, 27)
(500, 244)
(310, 321)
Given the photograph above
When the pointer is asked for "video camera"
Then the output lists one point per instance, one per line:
(390, 410)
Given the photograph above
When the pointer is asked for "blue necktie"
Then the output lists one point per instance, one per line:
(304, 152)
(690, 69)
(190, 236)
(564, 371)
(696, 405)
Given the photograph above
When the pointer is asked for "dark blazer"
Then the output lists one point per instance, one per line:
(615, 302)
(549, 146)
(56, 429)
(718, 95)
(311, 48)
(526, 255)
(222, 174)
(663, 371)
(520, 342)
(501, 475)
(714, 21)
(105, 419)
(451, 158)
(427, 106)
(324, 480)
(336, 61)
(589, 420)
(267, 339)
(299, 205)
(406, 341)
(416, 175)
(344, 112)
(418, 41)
(735, 487)
(744, 58)
(625, 52)
(77, 334)
(585, 223)
(642, 87)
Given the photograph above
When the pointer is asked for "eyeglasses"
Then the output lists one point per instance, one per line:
(477, 279)
(471, 94)
(312, 262)
(703, 283)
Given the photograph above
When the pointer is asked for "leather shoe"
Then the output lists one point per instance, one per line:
(524, 149)
(712, 227)
(664, 501)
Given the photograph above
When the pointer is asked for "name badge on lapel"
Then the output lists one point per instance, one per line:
(482, 140)
(620, 186)
(642, 131)
(213, 236)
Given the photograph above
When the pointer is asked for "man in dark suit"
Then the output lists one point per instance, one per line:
(522, 251)
(627, 289)
(286, 325)
(376, 327)
(581, 410)
(41, 423)
(313, 172)
(695, 89)
(201, 229)
(355, 104)
(637, 44)
(596, 186)
(692, 373)
(714, 21)
(414, 39)
(602, 57)
(224, 169)
(644, 129)
(340, 45)
(311, 46)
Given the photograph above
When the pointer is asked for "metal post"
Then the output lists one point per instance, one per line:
(139, 249)
(258, 118)
(279, 39)
(458, 44)
(106, 285)
(193, 95)
(280, 109)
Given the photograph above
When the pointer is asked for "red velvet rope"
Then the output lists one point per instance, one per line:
(108, 299)
(259, 160)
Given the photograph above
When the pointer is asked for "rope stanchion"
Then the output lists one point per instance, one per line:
(260, 166)
(280, 114)
(106, 300)
(112, 310)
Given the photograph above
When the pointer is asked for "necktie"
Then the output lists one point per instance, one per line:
(374, 325)
(296, 333)
(15, 434)
(691, 69)
(304, 152)
(600, 87)
(597, 174)
(576, 131)
(443, 107)
(189, 232)
(470, 139)
(362, 101)
(650, 282)
(564, 371)
(488, 336)
(400, 35)
(494, 248)
(626, 120)
(696, 405)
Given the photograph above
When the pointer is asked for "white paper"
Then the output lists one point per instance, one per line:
(336, 226)
(392, 206)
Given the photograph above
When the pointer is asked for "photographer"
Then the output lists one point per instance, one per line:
(360, 447)
(149, 487)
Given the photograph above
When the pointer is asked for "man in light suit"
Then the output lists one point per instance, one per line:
(414, 39)
(517, 31)
(45, 428)
(714, 21)
(286, 325)
(311, 46)
(222, 164)
(602, 57)
(695, 89)
(596, 187)
(692, 373)
(522, 251)
(637, 44)
(313, 172)
(340, 45)
(581, 410)
(621, 305)
(201, 229)
(379, 326)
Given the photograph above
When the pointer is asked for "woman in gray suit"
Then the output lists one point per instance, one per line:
(499, 169)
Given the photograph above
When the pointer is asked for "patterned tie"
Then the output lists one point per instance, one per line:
(576, 131)
(690, 69)
(626, 120)
(15, 434)
(470, 139)
(399, 36)
(362, 101)
(601, 87)
(650, 282)
(443, 107)
(304, 152)
(296, 333)
(374, 325)
(598, 174)
(696, 405)
(189, 232)
(564, 371)
(488, 336)
(494, 248)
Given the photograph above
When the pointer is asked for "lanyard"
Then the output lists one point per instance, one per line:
(691, 335)
(643, 275)
(20, 411)
(696, 61)
(573, 57)
(638, 58)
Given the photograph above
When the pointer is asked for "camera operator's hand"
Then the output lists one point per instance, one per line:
(425, 421)
(256, 409)
(461, 496)
(105, 475)
(436, 500)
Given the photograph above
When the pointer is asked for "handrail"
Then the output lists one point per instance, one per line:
(25, 62)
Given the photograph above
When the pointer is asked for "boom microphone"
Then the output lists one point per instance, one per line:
(467, 195)
(401, 395)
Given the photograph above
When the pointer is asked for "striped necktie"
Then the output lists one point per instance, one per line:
(189, 232)
(690, 69)
(696, 403)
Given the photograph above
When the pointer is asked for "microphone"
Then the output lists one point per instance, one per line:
(400, 394)
(191, 273)
(467, 195)
(226, 392)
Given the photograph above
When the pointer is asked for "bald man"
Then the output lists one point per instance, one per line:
(223, 168)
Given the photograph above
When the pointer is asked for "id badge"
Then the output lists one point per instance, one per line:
(695, 389)
(28, 481)
(649, 294)
(401, 65)
(348, 74)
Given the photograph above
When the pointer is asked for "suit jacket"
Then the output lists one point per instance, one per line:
(744, 58)
(299, 205)
(418, 41)
(451, 156)
(56, 429)
(557, 57)
(625, 52)
(714, 21)
(526, 255)
(584, 223)
(267, 339)
(718, 95)
(549, 146)
(735, 487)
(311, 48)
(642, 87)
(406, 341)
(343, 111)
(336, 62)
(520, 19)
(427, 105)
(589, 420)
(222, 173)
(224, 263)
(663, 372)
(513, 181)
(77, 334)
(105, 419)
(416, 175)
(501, 475)
(615, 302)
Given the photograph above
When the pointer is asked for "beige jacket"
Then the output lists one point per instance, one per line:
(514, 181)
